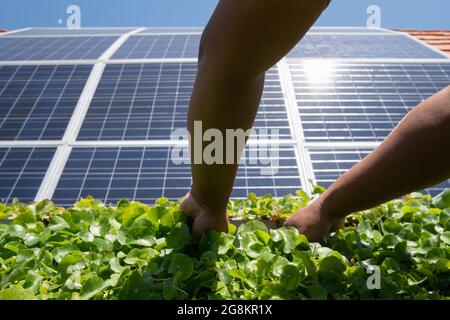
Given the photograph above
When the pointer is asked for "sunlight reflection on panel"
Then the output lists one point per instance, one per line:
(319, 71)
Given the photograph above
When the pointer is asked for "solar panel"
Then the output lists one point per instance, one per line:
(346, 30)
(340, 101)
(330, 163)
(69, 32)
(149, 101)
(144, 174)
(53, 48)
(37, 101)
(159, 46)
(361, 46)
(169, 30)
(22, 171)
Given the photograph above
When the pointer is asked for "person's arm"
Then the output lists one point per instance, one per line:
(242, 40)
(414, 156)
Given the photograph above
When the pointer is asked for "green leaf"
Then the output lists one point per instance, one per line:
(442, 200)
(92, 287)
(287, 237)
(169, 289)
(232, 229)
(16, 293)
(252, 226)
(445, 237)
(274, 292)
(331, 264)
(179, 237)
(317, 292)
(290, 276)
(33, 281)
(389, 241)
(140, 256)
(181, 266)
(103, 245)
(115, 266)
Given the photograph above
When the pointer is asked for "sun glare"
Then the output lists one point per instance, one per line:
(319, 71)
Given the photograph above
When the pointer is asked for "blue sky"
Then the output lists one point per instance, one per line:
(429, 14)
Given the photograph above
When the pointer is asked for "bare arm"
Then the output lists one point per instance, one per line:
(414, 156)
(242, 40)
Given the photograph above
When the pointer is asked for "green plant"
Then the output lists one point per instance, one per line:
(135, 251)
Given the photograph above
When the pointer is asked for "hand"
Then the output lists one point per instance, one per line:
(313, 222)
(204, 219)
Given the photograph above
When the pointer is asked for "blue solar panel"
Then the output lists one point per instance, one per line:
(159, 46)
(144, 174)
(169, 30)
(361, 46)
(22, 171)
(330, 163)
(68, 32)
(53, 48)
(149, 101)
(340, 101)
(346, 30)
(37, 102)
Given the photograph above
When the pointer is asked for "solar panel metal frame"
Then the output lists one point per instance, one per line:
(68, 143)
(62, 32)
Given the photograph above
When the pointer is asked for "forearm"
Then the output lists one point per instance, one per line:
(414, 156)
(230, 105)
(241, 41)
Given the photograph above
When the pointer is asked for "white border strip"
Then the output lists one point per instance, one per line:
(342, 145)
(170, 143)
(13, 31)
(91, 61)
(84, 101)
(30, 143)
(303, 161)
(117, 44)
(153, 60)
(81, 109)
(46, 62)
(168, 33)
(56, 168)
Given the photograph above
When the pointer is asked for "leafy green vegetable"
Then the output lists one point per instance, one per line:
(135, 251)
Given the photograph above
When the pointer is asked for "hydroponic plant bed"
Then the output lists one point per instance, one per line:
(135, 251)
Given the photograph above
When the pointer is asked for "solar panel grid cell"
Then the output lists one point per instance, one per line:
(22, 171)
(361, 46)
(150, 101)
(330, 163)
(362, 102)
(37, 101)
(53, 48)
(159, 47)
(145, 174)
